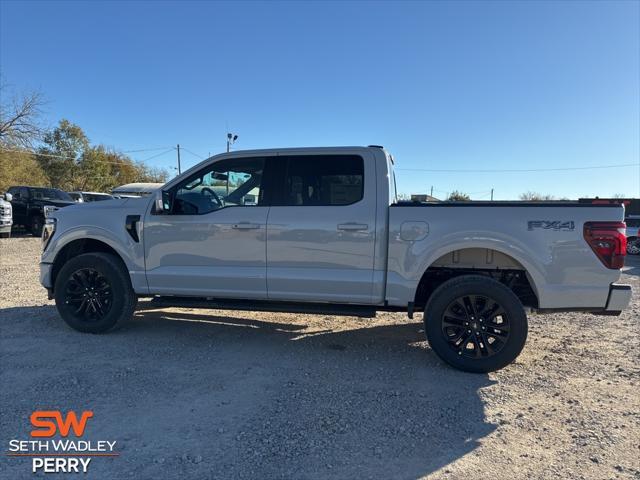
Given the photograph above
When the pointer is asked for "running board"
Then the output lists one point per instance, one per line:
(363, 311)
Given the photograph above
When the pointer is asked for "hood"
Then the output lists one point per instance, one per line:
(55, 203)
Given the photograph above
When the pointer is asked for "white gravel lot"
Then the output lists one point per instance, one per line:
(216, 394)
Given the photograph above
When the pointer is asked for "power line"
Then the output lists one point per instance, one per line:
(146, 150)
(193, 153)
(63, 157)
(159, 154)
(516, 170)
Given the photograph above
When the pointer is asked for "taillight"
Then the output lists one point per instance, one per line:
(608, 241)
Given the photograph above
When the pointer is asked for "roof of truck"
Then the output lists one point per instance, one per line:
(300, 149)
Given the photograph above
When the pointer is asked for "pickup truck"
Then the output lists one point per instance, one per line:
(6, 215)
(32, 204)
(320, 230)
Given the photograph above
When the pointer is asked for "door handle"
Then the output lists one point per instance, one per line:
(352, 227)
(246, 226)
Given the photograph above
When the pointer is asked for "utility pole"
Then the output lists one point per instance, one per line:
(178, 149)
(431, 191)
(492, 194)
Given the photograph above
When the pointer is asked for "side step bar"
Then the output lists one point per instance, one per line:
(363, 311)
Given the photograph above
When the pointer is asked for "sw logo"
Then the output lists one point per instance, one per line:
(61, 454)
(42, 420)
(556, 225)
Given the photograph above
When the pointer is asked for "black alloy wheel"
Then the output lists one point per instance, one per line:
(88, 295)
(93, 293)
(475, 326)
(475, 323)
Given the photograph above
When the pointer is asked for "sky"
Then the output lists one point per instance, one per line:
(462, 86)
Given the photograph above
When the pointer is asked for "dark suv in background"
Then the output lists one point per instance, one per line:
(29, 205)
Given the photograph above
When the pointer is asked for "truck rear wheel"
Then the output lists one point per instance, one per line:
(93, 293)
(475, 323)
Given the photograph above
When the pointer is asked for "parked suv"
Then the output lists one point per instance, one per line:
(30, 205)
(6, 218)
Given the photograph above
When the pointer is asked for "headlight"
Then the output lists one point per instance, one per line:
(47, 231)
(48, 210)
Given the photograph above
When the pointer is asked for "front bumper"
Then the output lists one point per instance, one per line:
(619, 297)
(5, 226)
(45, 275)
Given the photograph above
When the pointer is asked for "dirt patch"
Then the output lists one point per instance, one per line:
(216, 394)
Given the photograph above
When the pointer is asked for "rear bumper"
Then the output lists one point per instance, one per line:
(619, 298)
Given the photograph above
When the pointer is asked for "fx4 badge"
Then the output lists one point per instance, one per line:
(556, 225)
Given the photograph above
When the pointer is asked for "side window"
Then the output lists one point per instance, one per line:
(235, 182)
(24, 193)
(323, 180)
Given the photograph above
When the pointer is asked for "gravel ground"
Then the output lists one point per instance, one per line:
(216, 394)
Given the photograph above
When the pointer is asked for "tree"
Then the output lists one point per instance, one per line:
(20, 168)
(61, 153)
(19, 118)
(536, 197)
(151, 174)
(457, 196)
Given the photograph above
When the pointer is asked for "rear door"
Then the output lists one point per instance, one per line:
(321, 229)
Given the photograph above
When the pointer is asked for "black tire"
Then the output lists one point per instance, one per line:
(36, 224)
(93, 293)
(461, 313)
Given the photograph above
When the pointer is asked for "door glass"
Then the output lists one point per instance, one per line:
(323, 180)
(228, 183)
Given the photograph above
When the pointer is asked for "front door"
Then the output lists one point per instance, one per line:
(212, 241)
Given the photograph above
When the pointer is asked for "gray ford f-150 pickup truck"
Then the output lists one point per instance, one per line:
(321, 230)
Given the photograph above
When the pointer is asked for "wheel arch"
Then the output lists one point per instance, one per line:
(78, 247)
(492, 262)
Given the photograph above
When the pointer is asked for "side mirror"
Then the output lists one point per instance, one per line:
(162, 201)
(8, 197)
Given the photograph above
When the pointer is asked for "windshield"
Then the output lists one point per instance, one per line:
(50, 194)
(96, 197)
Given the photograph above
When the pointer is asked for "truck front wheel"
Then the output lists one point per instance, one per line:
(36, 223)
(93, 293)
(475, 323)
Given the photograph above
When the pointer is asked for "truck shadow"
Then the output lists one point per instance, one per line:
(268, 399)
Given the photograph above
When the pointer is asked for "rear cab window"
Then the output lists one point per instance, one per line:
(322, 180)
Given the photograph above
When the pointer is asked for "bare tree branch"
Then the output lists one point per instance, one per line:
(20, 119)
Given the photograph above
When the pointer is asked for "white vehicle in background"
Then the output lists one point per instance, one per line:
(85, 197)
(320, 230)
(6, 215)
(132, 190)
(633, 234)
